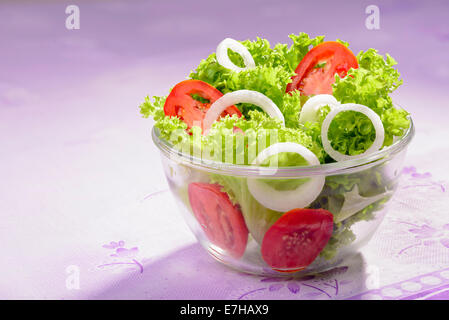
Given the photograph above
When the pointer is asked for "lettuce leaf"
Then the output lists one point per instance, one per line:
(153, 107)
(257, 133)
(274, 69)
(336, 191)
(258, 218)
(235, 140)
(370, 85)
(375, 183)
(352, 132)
(171, 129)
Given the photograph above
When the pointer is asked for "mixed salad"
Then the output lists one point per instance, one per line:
(308, 103)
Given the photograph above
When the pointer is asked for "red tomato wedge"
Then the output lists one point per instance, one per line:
(221, 220)
(296, 238)
(315, 73)
(180, 103)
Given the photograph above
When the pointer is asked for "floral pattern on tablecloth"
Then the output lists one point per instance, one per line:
(121, 258)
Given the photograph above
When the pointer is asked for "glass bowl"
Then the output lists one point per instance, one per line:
(231, 224)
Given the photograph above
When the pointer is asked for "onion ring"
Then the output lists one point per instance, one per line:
(375, 119)
(286, 200)
(223, 57)
(241, 96)
(310, 108)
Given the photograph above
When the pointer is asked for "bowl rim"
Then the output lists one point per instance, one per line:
(326, 169)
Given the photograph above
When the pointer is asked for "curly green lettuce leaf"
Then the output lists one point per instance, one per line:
(255, 133)
(346, 44)
(371, 85)
(281, 55)
(274, 69)
(351, 133)
(301, 45)
(291, 108)
(153, 107)
(171, 129)
(268, 80)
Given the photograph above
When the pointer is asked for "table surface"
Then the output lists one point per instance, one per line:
(83, 192)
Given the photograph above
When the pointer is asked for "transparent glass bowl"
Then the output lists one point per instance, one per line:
(356, 192)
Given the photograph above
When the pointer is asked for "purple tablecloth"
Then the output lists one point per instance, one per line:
(84, 205)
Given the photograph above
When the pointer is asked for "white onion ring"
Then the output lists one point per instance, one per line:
(375, 119)
(310, 108)
(284, 201)
(223, 57)
(241, 96)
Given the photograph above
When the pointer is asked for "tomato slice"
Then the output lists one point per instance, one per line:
(221, 220)
(296, 238)
(315, 73)
(180, 103)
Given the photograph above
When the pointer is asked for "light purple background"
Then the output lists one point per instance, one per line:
(76, 159)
